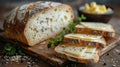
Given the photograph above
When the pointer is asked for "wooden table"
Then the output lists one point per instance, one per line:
(110, 59)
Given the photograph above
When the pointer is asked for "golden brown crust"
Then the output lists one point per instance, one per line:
(15, 28)
(80, 60)
(94, 58)
(81, 42)
(94, 32)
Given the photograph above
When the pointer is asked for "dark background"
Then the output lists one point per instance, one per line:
(64, 1)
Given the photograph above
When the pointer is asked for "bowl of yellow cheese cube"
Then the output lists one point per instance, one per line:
(96, 12)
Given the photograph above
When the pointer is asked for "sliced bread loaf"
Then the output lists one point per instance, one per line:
(82, 54)
(85, 40)
(34, 22)
(105, 30)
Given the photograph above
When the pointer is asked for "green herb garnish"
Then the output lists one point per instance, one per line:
(58, 39)
(8, 47)
(55, 41)
(81, 18)
(72, 27)
(12, 52)
(12, 49)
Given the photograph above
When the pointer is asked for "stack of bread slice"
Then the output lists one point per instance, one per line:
(85, 44)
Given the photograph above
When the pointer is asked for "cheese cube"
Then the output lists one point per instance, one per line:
(94, 10)
(93, 4)
(109, 10)
(87, 7)
(102, 8)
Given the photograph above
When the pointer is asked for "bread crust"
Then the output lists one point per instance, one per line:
(16, 21)
(83, 42)
(103, 33)
(63, 55)
(80, 60)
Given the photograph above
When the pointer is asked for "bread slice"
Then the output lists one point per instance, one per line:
(35, 22)
(85, 40)
(105, 30)
(82, 54)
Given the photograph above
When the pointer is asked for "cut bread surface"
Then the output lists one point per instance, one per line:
(34, 22)
(46, 24)
(85, 39)
(82, 54)
(98, 26)
(105, 30)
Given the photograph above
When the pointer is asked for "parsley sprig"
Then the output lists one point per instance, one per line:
(55, 41)
(81, 18)
(12, 49)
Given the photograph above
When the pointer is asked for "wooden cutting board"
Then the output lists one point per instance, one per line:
(50, 56)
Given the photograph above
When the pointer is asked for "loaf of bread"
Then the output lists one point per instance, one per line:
(105, 30)
(35, 22)
(85, 40)
(82, 54)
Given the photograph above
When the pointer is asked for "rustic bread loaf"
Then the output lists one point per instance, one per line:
(85, 40)
(105, 30)
(34, 22)
(82, 54)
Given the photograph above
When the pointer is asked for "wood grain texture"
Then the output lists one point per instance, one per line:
(110, 44)
(50, 56)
